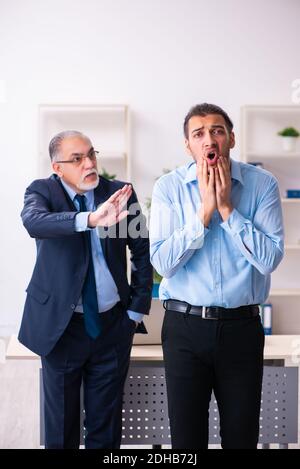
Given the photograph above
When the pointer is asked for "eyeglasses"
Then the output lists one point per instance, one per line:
(79, 157)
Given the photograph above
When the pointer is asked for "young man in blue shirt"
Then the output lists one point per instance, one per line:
(216, 235)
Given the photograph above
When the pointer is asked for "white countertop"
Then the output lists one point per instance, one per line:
(276, 347)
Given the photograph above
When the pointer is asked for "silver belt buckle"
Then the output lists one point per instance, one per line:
(203, 312)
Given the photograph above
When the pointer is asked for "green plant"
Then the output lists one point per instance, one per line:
(157, 278)
(289, 132)
(148, 203)
(106, 175)
(165, 171)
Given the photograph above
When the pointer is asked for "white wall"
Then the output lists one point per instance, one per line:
(159, 56)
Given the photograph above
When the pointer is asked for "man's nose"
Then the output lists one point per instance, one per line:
(209, 139)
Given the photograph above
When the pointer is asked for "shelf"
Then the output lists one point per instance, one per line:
(256, 156)
(113, 156)
(261, 108)
(292, 247)
(285, 292)
(286, 200)
(106, 155)
(75, 108)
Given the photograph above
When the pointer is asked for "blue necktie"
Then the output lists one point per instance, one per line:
(89, 291)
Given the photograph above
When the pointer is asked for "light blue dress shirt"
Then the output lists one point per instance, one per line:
(107, 292)
(229, 263)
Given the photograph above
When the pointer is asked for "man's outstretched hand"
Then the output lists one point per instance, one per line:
(111, 211)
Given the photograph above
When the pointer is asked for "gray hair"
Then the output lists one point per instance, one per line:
(56, 141)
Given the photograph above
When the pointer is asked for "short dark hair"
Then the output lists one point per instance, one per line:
(203, 110)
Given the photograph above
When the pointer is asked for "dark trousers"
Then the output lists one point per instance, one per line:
(101, 365)
(225, 356)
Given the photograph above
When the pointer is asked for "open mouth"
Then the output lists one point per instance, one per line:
(89, 175)
(212, 157)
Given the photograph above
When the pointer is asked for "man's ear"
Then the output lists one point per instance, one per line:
(57, 169)
(232, 139)
(187, 146)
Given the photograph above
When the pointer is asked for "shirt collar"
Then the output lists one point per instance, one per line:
(235, 172)
(71, 193)
(190, 172)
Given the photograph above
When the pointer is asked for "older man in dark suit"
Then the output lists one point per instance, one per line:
(80, 312)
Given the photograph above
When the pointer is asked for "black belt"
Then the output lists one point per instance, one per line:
(212, 312)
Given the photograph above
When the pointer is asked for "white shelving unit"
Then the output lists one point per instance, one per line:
(260, 143)
(108, 127)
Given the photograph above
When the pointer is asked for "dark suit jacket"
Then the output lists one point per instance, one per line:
(62, 261)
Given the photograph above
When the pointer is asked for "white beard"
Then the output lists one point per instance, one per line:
(88, 186)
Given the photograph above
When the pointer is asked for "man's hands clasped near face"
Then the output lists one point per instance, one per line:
(207, 189)
(223, 187)
(209, 143)
(215, 189)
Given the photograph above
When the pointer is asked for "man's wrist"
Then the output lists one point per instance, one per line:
(135, 316)
(225, 212)
(90, 221)
(205, 218)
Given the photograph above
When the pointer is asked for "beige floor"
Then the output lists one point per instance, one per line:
(19, 404)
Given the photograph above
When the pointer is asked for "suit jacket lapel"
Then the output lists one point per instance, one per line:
(62, 200)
